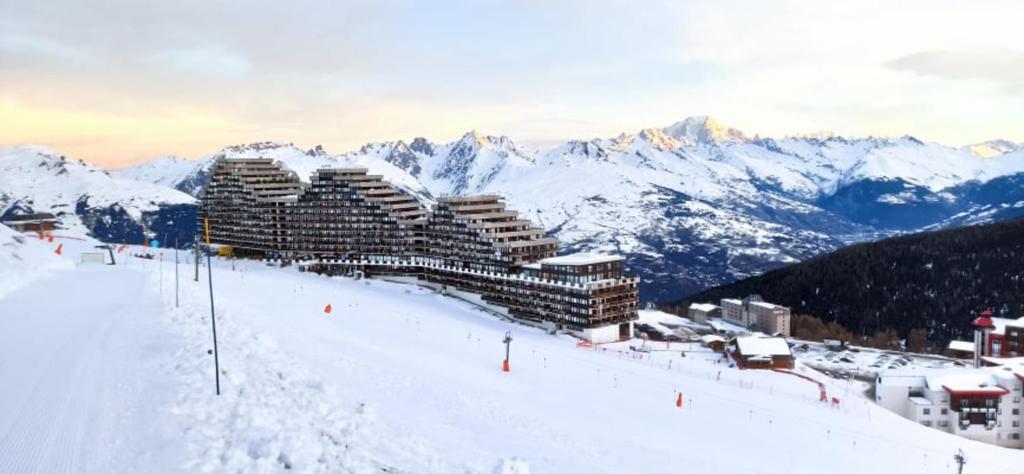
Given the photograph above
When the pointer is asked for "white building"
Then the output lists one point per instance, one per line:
(982, 404)
(703, 312)
(753, 311)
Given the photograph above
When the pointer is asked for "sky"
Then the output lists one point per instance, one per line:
(116, 82)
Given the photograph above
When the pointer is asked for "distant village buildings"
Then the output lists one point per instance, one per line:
(754, 312)
(348, 221)
(703, 312)
(39, 222)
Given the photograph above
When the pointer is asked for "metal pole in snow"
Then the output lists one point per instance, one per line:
(213, 323)
(195, 246)
(175, 273)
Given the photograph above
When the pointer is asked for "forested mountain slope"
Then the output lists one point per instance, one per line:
(936, 281)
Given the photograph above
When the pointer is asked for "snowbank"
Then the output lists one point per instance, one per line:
(24, 258)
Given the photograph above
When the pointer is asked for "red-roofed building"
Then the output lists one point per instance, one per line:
(982, 404)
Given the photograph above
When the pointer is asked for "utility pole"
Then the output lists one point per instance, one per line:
(213, 314)
(960, 461)
(195, 246)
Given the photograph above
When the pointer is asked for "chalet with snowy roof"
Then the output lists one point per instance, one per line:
(38, 222)
(983, 404)
(762, 352)
(713, 342)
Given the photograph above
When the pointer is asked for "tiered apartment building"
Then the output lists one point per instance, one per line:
(753, 312)
(348, 221)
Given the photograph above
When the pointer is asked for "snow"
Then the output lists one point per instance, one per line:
(961, 380)
(581, 259)
(703, 307)
(764, 304)
(965, 346)
(709, 338)
(112, 377)
(48, 182)
(752, 346)
(24, 258)
(920, 401)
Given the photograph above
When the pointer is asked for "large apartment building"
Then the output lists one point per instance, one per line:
(753, 312)
(348, 221)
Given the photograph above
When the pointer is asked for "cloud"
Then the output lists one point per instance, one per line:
(345, 72)
(1004, 67)
(206, 61)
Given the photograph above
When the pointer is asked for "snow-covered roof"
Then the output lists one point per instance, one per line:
(720, 324)
(762, 346)
(764, 304)
(1001, 323)
(964, 346)
(703, 307)
(581, 259)
(965, 382)
(920, 401)
(709, 338)
(732, 301)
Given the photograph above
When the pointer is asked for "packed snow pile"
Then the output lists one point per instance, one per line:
(273, 415)
(24, 258)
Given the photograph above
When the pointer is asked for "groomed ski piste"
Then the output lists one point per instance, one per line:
(104, 373)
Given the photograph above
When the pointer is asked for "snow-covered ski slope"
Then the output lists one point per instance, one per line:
(110, 376)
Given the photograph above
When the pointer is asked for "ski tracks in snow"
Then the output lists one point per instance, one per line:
(81, 395)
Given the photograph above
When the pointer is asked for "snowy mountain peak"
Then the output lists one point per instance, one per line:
(993, 148)
(703, 130)
(658, 139)
(317, 151)
(256, 147)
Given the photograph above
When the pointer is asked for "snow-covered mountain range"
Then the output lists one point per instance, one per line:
(692, 204)
(89, 199)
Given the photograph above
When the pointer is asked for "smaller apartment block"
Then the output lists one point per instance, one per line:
(981, 404)
(753, 312)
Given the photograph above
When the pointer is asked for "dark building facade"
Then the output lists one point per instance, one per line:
(346, 220)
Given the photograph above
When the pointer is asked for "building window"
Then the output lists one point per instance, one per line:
(926, 423)
(945, 411)
(944, 423)
(926, 411)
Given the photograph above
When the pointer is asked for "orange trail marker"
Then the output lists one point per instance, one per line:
(504, 366)
(327, 309)
(679, 400)
(60, 249)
